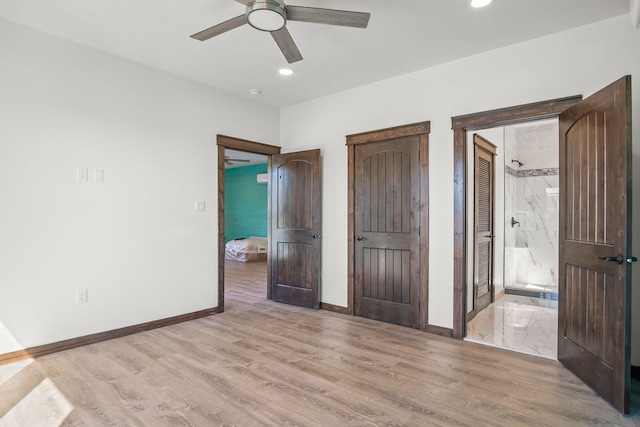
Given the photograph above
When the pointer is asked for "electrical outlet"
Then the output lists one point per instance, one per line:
(82, 296)
(82, 175)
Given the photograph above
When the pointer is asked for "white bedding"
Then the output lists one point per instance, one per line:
(250, 249)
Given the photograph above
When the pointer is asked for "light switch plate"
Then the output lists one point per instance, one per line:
(201, 206)
(82, 175)
(98, 175)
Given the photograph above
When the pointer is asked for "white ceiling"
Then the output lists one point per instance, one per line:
(403, 36)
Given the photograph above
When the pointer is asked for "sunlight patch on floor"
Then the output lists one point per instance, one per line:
(10, 370)
(44, 406)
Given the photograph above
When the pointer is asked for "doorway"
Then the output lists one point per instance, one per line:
(462, 125)
(246, 227)
(234, 145)
(523, 313)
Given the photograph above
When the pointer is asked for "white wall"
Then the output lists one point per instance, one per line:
(579, 61)
(134, 241)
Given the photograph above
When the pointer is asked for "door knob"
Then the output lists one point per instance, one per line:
(360, 238)
(632, 259)
(315, 236)
(618, 258)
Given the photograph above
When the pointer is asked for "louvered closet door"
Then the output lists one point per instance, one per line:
(484, 155)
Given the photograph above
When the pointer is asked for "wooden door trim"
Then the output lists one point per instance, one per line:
(389, 133)
(461, 125)
(484, 143)
(224, 142)
(422, 130)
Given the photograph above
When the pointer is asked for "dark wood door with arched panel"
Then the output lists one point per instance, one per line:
(295, 221)
(594, 280)
(388, 193)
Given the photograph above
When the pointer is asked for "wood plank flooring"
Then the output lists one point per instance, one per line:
(265, 363)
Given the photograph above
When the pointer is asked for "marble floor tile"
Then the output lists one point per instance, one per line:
(524, 324)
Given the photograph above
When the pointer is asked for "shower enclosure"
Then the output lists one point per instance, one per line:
(531, 209)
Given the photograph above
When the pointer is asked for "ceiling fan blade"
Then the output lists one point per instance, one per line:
(287, 45)
(220, 28)
(343, 18)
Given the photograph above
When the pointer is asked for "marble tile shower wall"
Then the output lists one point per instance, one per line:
(531, 198)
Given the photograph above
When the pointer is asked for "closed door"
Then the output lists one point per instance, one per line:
(483, 253)
(294, 256)
(594, 307)
(386, 225)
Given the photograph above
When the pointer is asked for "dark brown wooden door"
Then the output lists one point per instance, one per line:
(387, 215)
(294, 256)
(483, 251)
(594, 307)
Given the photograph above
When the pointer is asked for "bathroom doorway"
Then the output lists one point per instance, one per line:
(523, 313)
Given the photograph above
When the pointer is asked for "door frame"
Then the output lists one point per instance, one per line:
(224, 142)
(421, 129)
(461, 125)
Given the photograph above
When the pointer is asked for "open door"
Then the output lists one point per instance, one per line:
(294, 256)
(594, 309)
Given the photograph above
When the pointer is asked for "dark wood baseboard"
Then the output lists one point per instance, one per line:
(635, 372)
(334, 308)
(439, 330)
(41, 350)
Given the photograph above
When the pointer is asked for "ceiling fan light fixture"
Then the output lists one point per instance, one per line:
(480, 3)
(266, 15)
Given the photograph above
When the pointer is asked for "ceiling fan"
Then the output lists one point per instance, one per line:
(272, 16)
(229, 161)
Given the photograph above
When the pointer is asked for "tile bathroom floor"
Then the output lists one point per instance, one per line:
(524, 324)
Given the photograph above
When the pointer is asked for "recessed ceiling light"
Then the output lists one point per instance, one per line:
(255, 92)
(480, 3)
(285, 71)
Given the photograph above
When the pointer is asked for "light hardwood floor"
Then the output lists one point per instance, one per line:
(264, 363)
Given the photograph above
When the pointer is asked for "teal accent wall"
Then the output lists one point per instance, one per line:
(245, 203)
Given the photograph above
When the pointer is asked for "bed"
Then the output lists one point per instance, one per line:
(253, 248)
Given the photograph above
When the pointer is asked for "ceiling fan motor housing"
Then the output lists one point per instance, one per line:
(267, 15)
